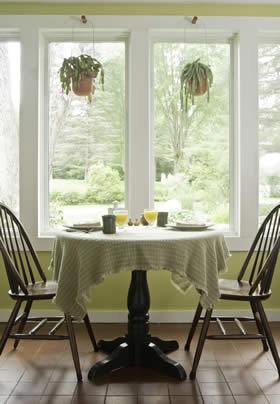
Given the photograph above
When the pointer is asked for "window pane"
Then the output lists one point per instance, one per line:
(9, 123)
(86, 140)
(269, 128)
(192, 148)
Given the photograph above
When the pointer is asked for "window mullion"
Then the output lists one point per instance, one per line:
(248, 125)
(28, 173)
(139, 141)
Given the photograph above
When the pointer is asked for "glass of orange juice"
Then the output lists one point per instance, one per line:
(150, 215)
(121, 217)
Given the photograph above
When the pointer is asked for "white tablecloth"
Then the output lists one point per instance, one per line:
(82, 260)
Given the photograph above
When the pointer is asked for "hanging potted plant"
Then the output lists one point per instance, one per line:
(79, 73)
(196, 80)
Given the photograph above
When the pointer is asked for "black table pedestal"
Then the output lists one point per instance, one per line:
(138, 347)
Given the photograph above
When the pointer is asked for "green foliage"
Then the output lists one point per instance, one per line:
(82, 135)
(193, 144)
(68, 198)
(184, 215)
(104, 184)
(55, 212)
(273, 182)
(74, 68)
(196, 143)
(75, 192)
(187, 201)
(265, 208)
(191, 79)
(163, 166)
(161, 192)
(65, 172)
(220, 214)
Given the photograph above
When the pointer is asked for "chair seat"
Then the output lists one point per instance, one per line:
(45, 290)
(23, 267)
(230, 288)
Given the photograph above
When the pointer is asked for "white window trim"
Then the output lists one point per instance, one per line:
(46, 37)
(214, 37)
(141, 28)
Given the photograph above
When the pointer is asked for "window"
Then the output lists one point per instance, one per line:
(125, 129)
(192, 149)
(86, 140)
(269, 127)
(9, 123)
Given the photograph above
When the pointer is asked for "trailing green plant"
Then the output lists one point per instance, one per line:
(196, 79)
(75, 68)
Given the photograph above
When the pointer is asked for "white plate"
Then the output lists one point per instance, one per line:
(190, 227)
(85, 227)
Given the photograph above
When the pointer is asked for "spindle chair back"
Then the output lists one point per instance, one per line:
(28, 282)
(253, 284)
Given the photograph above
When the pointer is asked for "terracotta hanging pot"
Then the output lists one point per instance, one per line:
(85, 85)
(204, 87)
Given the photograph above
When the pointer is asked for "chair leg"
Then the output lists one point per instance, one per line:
(201, 342)
(259, 324)
(193, 326)
(73, 345)
(9, 326)
(269, 336)
(90, 333)
(23, 321)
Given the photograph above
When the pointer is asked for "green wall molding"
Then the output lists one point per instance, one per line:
(252, 10)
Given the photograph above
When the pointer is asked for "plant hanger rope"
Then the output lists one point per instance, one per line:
(196, 77)
(81, 71)
(84, 20)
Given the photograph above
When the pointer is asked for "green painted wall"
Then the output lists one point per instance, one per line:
(171, 8)
(112, 294)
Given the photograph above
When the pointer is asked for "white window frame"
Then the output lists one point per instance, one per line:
(47, 37)
(139, 164)
(187, 36)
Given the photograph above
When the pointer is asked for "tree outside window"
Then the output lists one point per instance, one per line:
(192, 148)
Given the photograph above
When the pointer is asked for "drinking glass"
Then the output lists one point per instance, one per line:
(150, 215)
(121, 217)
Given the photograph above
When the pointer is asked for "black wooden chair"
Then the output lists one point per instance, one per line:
(28, 283)
(259, 265)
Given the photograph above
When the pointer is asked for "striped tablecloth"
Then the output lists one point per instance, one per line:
(82, 260)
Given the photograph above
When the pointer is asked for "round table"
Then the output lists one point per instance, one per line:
(81, 261)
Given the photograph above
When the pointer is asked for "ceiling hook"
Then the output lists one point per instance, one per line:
(194, 20)
(83, 19)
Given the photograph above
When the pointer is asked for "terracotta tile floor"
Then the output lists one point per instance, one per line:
(229, 372)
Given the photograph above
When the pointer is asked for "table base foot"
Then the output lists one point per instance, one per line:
(118, 359)
(109, 346)
(154, 358)
(165, 346)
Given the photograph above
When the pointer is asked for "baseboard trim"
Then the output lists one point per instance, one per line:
(165, 316)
